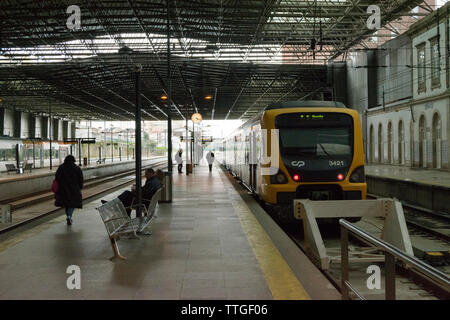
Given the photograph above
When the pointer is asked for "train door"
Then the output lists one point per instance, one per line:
(241, 151)
(246, 154)
(252, 161)
(224, 152)
(235, 155)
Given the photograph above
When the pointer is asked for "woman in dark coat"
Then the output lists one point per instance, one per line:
(70, 183)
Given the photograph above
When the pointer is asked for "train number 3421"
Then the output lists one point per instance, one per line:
(336, 163)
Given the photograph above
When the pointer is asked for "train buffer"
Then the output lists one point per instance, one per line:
(394, 229)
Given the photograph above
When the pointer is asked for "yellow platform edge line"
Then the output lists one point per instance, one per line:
(282, 282)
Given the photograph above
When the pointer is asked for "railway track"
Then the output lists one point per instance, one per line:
(408, 280)
(430, 233)
(436, 224)
(431, 222)
(122, 179)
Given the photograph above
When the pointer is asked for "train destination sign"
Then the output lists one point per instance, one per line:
(312, 116)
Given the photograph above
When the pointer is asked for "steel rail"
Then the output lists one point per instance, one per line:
(437, 277)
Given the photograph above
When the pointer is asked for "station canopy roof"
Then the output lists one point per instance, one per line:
(229, 58)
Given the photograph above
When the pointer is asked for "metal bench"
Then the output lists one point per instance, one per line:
(118, 223)
(28, 166)
(100, 161)
(10, 167)
(148, 205)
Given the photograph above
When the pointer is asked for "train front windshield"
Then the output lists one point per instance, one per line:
(316, 143)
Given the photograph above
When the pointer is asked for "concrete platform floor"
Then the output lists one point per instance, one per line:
(425, 176)
(201, 248)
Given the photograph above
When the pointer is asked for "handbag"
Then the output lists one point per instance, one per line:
(55, 186)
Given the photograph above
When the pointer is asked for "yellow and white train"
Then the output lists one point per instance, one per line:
(315, 150)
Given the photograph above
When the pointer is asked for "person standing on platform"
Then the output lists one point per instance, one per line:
(179, 160)
(69, 178)
(210, 159)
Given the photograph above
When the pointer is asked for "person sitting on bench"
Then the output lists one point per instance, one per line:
(152, 184)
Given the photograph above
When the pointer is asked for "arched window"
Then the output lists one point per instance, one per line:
(422, 142)
(412, 157)
(401, 143)
(389, 142)
(436, 140)
(380, 143)
(371, 145)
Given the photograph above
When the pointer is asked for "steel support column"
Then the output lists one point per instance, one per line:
(138, 158)
(17, 124)
(89, 145)
(79, 152)
(169, 94)
(169, 115)
(2, 121)
(187, 143)
(50, 135)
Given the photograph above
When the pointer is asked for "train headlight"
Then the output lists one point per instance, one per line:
(296, 177)
(278, 178)
(358, 175)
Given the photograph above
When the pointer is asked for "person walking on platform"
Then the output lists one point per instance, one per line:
(69, 178)
(179, 160)
(152, 184)
(210, 159)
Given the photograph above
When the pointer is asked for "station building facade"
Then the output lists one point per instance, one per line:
(402, 91)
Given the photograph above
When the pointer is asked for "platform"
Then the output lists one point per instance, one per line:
(5, 176)
(209, 243)
(426, 188)
(17, 185)
(56, 162)
(432, 177)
